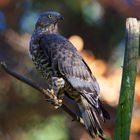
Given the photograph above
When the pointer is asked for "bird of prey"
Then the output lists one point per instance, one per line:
(67, 73)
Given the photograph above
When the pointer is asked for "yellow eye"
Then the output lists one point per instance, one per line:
(49, 16)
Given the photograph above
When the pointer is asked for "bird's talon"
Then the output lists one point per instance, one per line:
(59, 101)
(52, 93)
(56, 107)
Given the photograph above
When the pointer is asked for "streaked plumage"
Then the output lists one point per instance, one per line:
(56, 58)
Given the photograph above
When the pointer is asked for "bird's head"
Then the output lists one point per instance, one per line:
(47, 21)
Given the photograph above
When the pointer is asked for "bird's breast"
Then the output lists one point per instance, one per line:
(41, 62)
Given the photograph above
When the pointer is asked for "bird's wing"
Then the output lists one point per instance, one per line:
(66, 59)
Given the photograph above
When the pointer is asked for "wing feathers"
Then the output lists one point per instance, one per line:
(68, 62)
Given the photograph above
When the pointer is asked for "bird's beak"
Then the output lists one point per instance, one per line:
(61, 17)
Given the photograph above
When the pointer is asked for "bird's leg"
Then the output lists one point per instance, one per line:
(57, 96)
(58, 84)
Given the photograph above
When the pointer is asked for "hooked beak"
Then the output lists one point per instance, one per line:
(60, 17)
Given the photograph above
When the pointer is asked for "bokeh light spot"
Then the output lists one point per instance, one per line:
(77, 41)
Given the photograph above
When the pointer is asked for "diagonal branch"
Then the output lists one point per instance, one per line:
(44, 92)
(40, 89)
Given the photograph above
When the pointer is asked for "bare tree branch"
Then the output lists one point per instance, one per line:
(75, 117)
(40, 89)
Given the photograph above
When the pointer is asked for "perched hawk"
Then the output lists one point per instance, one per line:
(66, 72)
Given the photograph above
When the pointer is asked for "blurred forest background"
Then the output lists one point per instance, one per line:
(97, 29)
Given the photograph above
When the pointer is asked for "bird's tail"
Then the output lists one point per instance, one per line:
(90, 119)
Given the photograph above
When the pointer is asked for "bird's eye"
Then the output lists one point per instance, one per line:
(49, 16)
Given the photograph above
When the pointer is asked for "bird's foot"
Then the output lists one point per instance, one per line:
(54, 100)
(58, 104)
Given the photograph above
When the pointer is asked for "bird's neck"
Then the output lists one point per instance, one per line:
(51, 29)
